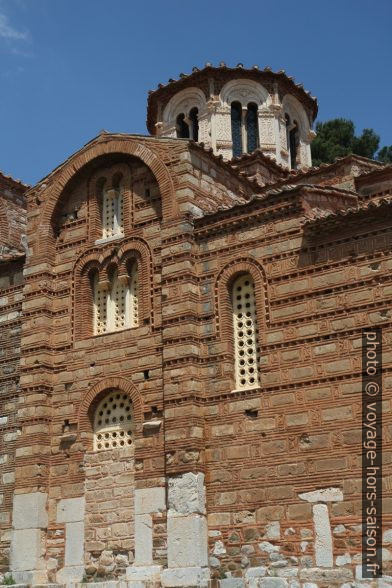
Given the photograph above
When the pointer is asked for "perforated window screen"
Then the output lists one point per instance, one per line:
(113, 422)
(134, 296)
(119, 298)
(112, 213)
(118, 307)
(100, 308)
(245, 332)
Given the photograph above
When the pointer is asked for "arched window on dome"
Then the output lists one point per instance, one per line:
(182, 128)
(252, 128)
(116, 301)
(194, 123)
(113, 422)
(246, 351)
(292, 141)
(113, 209)
(236, 128)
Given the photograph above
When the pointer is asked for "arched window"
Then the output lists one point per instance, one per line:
(252, 128)
(113, 422)
(116, 301)
(182, 128)
(194, 120)
(245, 332)
(292, 141)
(112, 212)
(236, 128)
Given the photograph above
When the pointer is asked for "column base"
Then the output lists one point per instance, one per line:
(180, 577)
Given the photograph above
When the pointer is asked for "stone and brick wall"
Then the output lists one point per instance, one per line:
(244, 473)
(12, 232)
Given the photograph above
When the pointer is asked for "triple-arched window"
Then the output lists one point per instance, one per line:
(246, 349)
(244, 128)
(187, 127)
(115, 301)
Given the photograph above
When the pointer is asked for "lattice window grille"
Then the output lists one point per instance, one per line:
(113, 422)
(245, 333)
(134, 297)
(120, 304)
(113, 213)
(100, 308)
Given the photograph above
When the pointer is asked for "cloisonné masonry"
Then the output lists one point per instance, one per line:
(180, 362)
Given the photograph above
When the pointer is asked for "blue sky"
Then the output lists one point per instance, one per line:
(69, 68)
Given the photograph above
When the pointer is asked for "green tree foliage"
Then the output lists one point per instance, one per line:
(336, 138)
(385, 154)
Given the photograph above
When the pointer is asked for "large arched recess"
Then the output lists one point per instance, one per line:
(109, 146)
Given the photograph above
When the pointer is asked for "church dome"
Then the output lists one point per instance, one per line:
(235, 111)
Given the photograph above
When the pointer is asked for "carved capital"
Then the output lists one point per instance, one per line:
(276, 109)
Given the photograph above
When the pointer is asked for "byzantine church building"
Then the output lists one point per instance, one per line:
(181, 317)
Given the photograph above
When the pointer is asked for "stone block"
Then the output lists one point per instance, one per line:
(187, 541)
(272, 531)
(143, 540)
(323, 542)
(74, 544)
(328, 577)
(71, 510)
(26, 550)
(28, 579)
(273, 583)
(149, 500)
(70, 575)
(108, 584)
(269, 513)
(258, 572)
(324, 495)
(29, 511)
(143, 574)
(182, 577)
(186, 494)
(232, 583)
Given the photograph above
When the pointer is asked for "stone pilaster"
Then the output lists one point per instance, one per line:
(187, 546)
(30, 521)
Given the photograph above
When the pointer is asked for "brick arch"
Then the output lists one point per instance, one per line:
(223, 304)
(87, 155)
(98, 390)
